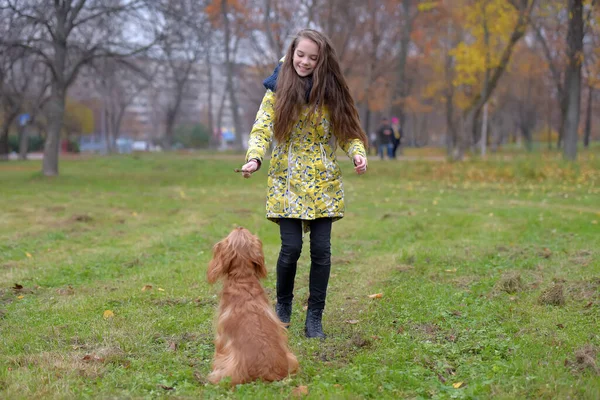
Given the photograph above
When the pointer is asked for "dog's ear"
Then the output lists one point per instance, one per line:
(220, 263)
(258, 260)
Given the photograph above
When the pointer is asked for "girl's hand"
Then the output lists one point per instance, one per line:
(249, 168)
(360, 164)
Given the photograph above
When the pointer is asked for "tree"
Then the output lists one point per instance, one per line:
(573, 77)
(511, 19)
(548, 25)
(228, 12)
(408, 13)
(118, 81)
(184, 41)
(68, 34)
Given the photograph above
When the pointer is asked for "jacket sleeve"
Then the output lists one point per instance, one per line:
(262, 130)
(354, 147)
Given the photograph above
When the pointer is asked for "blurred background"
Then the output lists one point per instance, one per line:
(459, 76)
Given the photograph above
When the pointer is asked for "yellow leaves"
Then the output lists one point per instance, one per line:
(20, 297)
(28, 255)
(458, 385)
(473, 58)
(452, 270)
(352, 321)
(161, 289)
(108, 314)
(78, 118)
(376, 296)
(182, 194)
(146, 288)
(425, 6)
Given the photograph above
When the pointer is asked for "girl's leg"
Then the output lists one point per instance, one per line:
(320, 268)
(320, 257)
(291, 246)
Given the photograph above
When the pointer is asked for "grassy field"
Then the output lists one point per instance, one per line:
(489, 275)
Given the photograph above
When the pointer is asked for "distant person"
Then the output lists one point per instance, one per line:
(396, 141)
(373, 145)
(385, 135)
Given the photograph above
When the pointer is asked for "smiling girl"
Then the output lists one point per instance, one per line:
(308, 111)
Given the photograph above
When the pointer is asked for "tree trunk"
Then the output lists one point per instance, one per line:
(573, 77)
(588, 118)
(23, 142)
(563, 119)
(4, 149)
(230, 86)
(484, 126)
(169, 128)
(400, 92)
(213, 142)
(56, 115)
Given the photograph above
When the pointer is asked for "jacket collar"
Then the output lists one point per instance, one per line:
(271, 82)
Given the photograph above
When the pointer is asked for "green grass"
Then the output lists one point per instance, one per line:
(435, 239)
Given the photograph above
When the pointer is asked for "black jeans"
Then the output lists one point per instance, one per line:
(320, 257)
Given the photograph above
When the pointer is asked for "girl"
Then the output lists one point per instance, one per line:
(307, 109)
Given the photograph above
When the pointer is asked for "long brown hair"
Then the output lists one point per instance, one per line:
(329, 88)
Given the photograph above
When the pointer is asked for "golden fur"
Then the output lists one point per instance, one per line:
(251, 342)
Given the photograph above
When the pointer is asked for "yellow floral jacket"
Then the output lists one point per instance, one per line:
(304, 179)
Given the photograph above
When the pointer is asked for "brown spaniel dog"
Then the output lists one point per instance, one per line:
(251, 342)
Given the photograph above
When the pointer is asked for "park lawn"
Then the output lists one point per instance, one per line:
(461, 254)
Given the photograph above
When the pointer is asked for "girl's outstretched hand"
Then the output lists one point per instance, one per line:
(248, 168)
(360, 164)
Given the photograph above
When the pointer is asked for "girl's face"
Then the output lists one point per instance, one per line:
(306, 56)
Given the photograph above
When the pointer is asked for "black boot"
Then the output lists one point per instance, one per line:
(313, 327)
(284, 312)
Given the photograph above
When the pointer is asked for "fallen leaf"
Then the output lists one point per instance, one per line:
(594, 222)
(352, 321)
(376, 296)
(300, 391)
(305, 308)
(146, 287)
(458, 385)
(92, 357)
(172, 346)
(108, 314)
(20, 297)
(161, 289)
(451, 270)
(165, 387)
(134, 214)
(546, 253)
(28, 255)
(182, 194)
